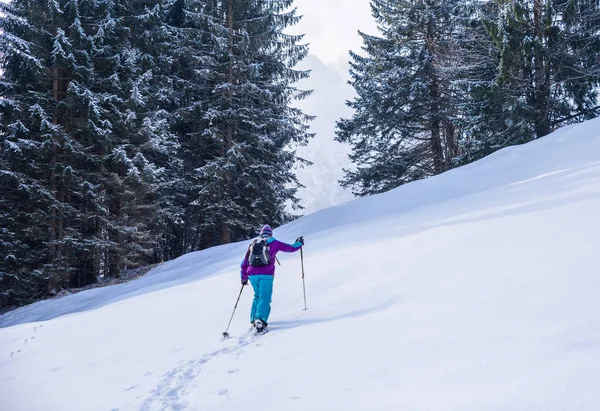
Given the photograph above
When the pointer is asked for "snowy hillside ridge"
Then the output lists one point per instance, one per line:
(566, 148)
(473, 290)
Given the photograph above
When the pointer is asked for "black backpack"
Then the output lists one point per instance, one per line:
(258, 255)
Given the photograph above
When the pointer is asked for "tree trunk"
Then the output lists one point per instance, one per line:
(542, 89)
(225, 232)
(451, 147)
(55, 183)
(57, 187)
(225, 235)
(437, 152)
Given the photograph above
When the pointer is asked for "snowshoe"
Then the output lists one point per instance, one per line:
(261, 326)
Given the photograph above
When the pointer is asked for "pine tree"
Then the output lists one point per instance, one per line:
(137, 131)
(488, 114)
(403, 127)
(245, 177)
(546, 61)
(79, 142)
(51, 122)
(538, 70)
(141, 159)
(197, 33)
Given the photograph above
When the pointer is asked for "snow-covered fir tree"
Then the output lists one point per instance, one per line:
(489, 117)
(403, 127)
(541, 73)
(141, 164)
(196, 46)
(51, 123)
(549, 59)
(447, 83)
(134, 132)
(245, 177)
(72, 147)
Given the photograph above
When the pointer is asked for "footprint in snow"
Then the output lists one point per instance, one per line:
(171, 391)
(25, 343)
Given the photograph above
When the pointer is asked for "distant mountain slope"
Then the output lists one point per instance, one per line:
(328, 103)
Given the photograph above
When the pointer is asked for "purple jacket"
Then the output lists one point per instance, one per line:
(274, 247)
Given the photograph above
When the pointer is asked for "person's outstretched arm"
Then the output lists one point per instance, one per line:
(288, 248)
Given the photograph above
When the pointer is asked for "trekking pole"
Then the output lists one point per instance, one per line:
(226, 334)
(303, 283)
(276, 259)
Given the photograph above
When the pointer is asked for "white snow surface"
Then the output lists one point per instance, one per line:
(473, 290)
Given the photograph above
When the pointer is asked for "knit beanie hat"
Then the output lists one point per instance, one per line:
(266, 231)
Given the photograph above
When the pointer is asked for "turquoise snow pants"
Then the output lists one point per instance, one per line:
(263, 289)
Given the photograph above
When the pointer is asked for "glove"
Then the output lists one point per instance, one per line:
(300, 240)
(244, 282)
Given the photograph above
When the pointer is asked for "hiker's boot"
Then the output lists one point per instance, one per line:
(261, 326)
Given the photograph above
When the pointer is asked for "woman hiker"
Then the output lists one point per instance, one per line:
(259, 267)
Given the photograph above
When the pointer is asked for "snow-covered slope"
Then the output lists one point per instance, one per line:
(474, 290)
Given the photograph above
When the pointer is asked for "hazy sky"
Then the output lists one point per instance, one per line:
(331, 26)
